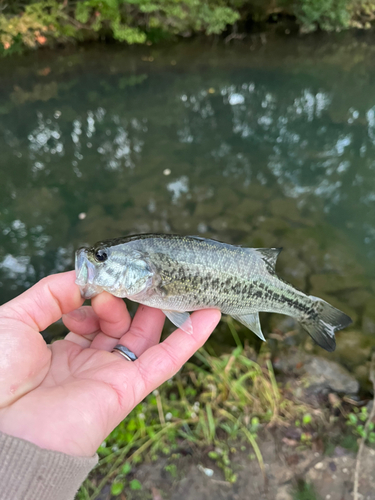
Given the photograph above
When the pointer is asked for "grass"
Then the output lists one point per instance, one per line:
(207, 404)
(305, 491)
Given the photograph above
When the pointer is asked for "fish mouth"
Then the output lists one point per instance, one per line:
(85, 274)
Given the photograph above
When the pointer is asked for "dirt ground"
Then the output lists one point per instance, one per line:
(197, 477)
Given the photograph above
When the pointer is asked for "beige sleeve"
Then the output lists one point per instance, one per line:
(28, 472)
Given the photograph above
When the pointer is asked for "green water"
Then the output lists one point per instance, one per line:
(260, 145)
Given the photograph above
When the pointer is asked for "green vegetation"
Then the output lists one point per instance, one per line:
(33, 23)
(326, 14)
(357, 420)
(305, 491)
(219, 405)
(210, 404)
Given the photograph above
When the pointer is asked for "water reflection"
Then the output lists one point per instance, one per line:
(258, 157)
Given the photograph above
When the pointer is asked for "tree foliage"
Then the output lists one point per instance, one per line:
(32, 23)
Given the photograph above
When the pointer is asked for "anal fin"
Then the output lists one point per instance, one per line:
(180, 319)
(252, 322)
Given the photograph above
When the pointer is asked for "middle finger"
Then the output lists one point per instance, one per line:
(145, 330)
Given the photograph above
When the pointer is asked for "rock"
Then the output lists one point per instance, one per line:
(255, 191)
(353, 348)
(210, 209)
(293, 269)
(224, 223)
(229, 197)
(357, 299)
(247, 209)
(327, 375)
(275, 225)
(283, 493)
(340, 258)
(261, 239)
(309, 245)
(286, 208)
(330, 282)
(362, 374)
(181, 221)
(291, 362)
(368, 319)
(284, 324)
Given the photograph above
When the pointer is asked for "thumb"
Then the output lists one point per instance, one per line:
(24, 356)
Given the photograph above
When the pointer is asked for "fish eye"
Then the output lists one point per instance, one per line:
(101, 255)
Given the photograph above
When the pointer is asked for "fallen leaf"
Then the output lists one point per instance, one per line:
(290, 442)
(41, 39)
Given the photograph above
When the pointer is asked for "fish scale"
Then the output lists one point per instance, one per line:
(178, 274)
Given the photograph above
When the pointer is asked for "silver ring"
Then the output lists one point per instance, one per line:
(124, 351)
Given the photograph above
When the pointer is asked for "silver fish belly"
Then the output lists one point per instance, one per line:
(178, 274)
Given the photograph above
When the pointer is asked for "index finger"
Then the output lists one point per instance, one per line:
(45, 302)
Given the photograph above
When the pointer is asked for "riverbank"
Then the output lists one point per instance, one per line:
(228, 428)
(33, 24)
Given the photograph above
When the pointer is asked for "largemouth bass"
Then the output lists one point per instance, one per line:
(178, 274)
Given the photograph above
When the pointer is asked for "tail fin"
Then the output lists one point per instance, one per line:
(323, 322)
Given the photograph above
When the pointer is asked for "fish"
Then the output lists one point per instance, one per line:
(180, 274)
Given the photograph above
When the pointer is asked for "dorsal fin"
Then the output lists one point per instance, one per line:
(269, 255)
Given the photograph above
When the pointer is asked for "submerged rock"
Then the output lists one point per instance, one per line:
(330, 282)
(247, 209)
(210, 209)
(353, 348)
(287, 208)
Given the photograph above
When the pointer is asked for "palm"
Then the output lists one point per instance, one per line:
(70, 395)
(77, 398)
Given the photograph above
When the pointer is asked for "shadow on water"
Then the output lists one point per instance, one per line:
(267, 147)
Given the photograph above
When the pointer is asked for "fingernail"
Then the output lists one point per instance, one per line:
(77, 315)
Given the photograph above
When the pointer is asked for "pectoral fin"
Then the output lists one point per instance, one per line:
(252, 322)
(181, 320)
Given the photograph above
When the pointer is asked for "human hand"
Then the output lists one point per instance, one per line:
(68, 396)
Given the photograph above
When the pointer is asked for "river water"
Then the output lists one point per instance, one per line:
(259, 144)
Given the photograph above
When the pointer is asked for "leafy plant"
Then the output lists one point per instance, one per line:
(41, 22)
(117, 488)
(209, 403)
(130, 21)
(33, 26)
(135, 485)
(305, 491)
(327, 15)
(357, 420)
